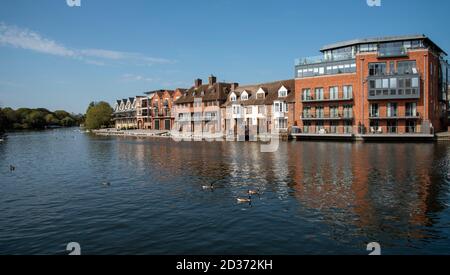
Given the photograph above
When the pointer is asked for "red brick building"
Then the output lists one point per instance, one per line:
(160, 104)
(381, 87)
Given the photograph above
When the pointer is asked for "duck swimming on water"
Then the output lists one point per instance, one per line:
(243, 200)
(208, 187)
(12, 168)
(253, 192)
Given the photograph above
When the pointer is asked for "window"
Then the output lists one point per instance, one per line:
(261, 109)
(248, 110)
(334, 92)
(318, 94)
(282, 92)
(411, 109)
(280, 107)
(244, 96)
(307, 112)
(391, 109)
(260, 95)
(334, 112)
(282, 123)
(319, 112)
(374, 110)
(348, 111)
(307, 94)
(233, 97)
(406, 67)
(348, 91)
(377, 69)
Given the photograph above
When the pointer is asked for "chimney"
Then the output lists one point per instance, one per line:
(234, 86)
(197, 82)
(212, 80)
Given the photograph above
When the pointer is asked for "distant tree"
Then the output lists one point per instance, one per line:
(68, 122)
(51, 120)
(35, 120)
(3, 121)
(98, 115)
(61, 114)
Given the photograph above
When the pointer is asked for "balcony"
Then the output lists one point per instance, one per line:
(323, 131)
(392, 51)
(340, 116)
(407, 115)
(394, 86)
(312, 99)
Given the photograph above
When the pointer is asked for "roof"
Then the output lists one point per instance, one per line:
(271, 93)
(216, 92)
(379, 40)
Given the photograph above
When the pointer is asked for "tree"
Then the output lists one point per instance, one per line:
(68, 122)
(51, 120)
(98, 115)
(35, 120)
(3, 122)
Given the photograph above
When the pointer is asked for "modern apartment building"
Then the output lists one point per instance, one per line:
(380, 87)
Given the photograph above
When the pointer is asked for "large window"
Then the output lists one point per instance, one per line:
(348, 111)
(282, 123)
(411, 109)
(307, 94)
(348, 92)
(374, 110)
(319, 112)
(406, 67)
(334, 112)
(377, 69)
(392, 109)
(318, 94)
(334, 93)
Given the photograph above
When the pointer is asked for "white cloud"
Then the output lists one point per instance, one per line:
(133, 77)
(25, 39)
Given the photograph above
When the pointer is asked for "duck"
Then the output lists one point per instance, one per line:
(243, 200)
(12, 168)
(253, 192)
(208, 187)
(106, 183)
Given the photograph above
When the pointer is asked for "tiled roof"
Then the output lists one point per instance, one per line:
(216, 92)
(271, 93)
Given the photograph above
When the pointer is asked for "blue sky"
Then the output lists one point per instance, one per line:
(58, 57)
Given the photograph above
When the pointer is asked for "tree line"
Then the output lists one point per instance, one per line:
(98, 115)
(36, 119)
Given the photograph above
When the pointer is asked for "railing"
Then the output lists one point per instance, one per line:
(374, 131)
(312, 99)
(322, 59)
(392, 51)
(306, 116)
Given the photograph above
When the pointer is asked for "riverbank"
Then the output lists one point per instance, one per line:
(132, 133)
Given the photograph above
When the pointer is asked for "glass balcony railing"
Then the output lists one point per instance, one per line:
(392, 52)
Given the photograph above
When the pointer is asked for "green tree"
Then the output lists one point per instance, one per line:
(68, 122)
(98, 115)
(3, 121)
(50, 120)
(35, 120)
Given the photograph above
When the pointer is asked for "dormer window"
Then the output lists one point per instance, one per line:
(261, 94)
(233, 97)
(244, 96)
(282, 92)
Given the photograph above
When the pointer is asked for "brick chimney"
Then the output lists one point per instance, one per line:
(197, 82)
(212, 80)
(234, 86)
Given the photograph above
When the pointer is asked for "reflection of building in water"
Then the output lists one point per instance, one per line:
(368, 184)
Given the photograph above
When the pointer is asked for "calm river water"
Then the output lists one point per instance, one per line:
(316, 197)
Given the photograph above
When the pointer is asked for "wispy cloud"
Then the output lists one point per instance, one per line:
(134, 77)
(16, 37)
